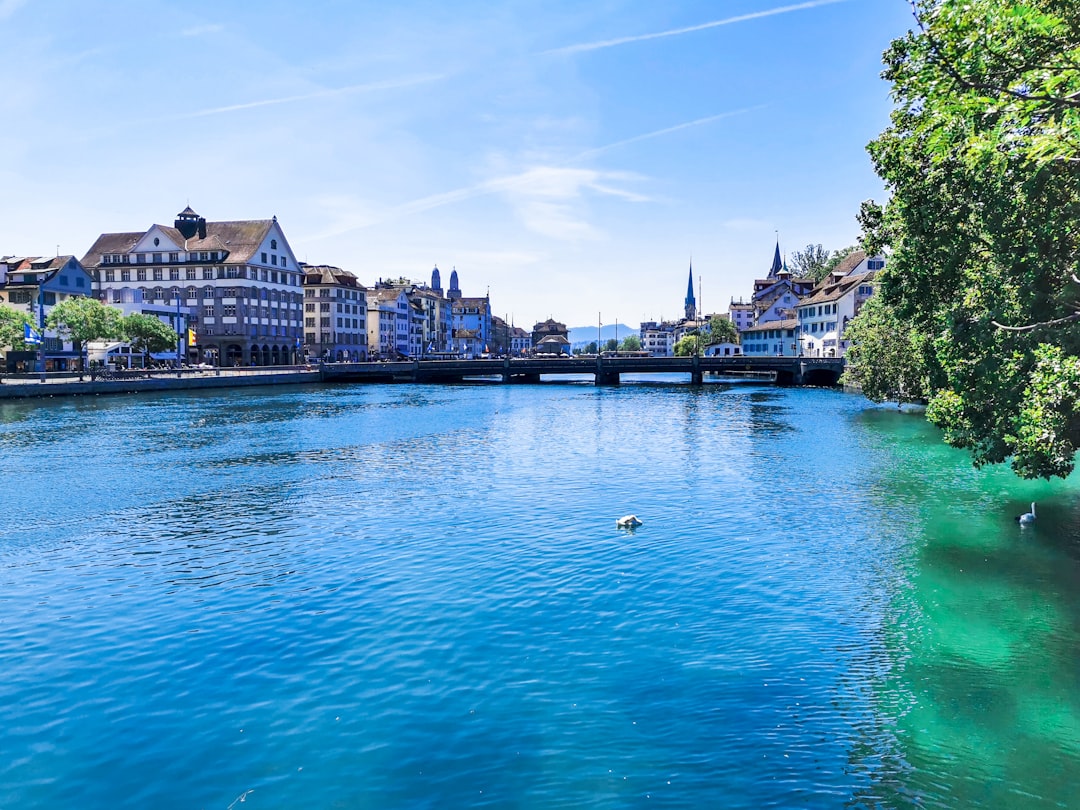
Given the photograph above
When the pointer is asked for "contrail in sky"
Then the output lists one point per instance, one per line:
(507, 182)
(657, 133)
(335, 91)
(610, 43)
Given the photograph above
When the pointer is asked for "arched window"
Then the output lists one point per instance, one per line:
(208, 291)
(273, 244)
(191, 292)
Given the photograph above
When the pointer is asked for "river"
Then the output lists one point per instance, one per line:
(416, 597)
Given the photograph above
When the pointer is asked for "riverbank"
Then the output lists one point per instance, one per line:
(32, 386)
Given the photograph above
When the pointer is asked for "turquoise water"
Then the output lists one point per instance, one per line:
(416, 597)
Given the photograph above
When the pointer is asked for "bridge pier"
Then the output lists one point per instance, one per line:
(607, 378)
(696, 377)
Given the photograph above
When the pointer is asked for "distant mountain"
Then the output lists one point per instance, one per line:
(581, 335)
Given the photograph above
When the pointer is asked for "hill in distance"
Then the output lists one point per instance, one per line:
(581, 335)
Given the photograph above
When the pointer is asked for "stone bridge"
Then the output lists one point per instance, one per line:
(605, 370)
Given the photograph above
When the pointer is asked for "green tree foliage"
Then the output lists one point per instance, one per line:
(722, 330)
(611, 345)
(690, 345)
(12, 327)
(984, 224)
(85, 319)
(885, 360)
(591, 348)
(631, 343)
(147, 333)
(810, 263)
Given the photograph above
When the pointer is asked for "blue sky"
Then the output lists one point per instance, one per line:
(569, 158)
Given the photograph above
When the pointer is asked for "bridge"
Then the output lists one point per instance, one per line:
(605, 370)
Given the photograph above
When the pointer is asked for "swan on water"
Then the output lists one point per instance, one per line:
(1027, 517)
(628, 522)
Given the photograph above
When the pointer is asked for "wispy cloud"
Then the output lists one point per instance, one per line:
(9, 7)
(666, 131)
(611, 43)
(541, 196)
(202, 30)
(391, 84)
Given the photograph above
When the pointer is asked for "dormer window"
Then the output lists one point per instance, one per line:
(273, 244)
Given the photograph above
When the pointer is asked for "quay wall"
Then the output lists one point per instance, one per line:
(24, 389)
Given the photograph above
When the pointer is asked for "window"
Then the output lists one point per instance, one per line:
(273, 244)
(229, 310)
(208, 272)
(208, 292)
(110, 275)
(174, 257)
(49, 298)
(309, 322)
(325, 307)
(191, 292)
(325, 322)
(157, 256)
(159, 293)
(283, 261)
(174, 274)
(190, 273)
(157, 274)
(208, 310)
(125, 275)
(263, 256)
(140, 257)
(229, 292)
(309, 307)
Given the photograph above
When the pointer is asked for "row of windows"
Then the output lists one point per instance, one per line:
(206, 273)
(325, 292)
(158, 258)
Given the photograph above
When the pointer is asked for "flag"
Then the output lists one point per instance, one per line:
(190, 336)
(30, 335)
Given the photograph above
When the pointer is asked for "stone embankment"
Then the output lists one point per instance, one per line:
(22, 386)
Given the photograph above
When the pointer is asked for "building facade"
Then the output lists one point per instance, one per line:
(34, 285)
(335, 314)
(239, 282)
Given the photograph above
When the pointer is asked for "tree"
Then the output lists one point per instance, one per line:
(12, 328)
(611, 345)
(148, 334)
(691, 344)
(981, 161)
(886, 357)
(84, 319)
(631, 343)
(810, 263)
(590, 348)
(722, 330)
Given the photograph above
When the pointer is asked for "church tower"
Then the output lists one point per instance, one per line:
(777, 263)
(436, 281)
(690, 304)
(454, 293)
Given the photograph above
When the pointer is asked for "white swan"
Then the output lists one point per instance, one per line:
(1027, 517)
(628, 522)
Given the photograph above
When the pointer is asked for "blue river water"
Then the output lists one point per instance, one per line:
(417, 597)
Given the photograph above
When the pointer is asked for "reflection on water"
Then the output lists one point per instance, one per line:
(416, 596)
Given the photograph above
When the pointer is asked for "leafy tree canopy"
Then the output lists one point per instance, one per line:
(84, 319)
(983, 220)
(147, 333)
(690, 345)
(631, 343)
(810, 263)
(11, 327)
(722, 330)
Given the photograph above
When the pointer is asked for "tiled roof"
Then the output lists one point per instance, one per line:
(836, 290)
(240, 239)
(790, 323)
(850, 262)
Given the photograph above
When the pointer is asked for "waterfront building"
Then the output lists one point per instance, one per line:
(770, 339)
(389, 317)
(520, 341)
(776, 294)
(431, 320)
(657, 338)
(823, 316)
(723, 350)
(238, 282)
(472, 323)
(34, 285)
(550, 328)
(335, 314)
(741, 313)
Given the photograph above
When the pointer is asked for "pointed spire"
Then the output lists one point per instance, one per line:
(690, 304)
(777, 262)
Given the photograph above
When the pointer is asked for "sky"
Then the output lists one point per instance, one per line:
(571, 160)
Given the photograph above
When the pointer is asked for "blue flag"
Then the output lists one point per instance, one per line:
(30, 336)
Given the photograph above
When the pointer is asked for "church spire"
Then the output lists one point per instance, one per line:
(777, 262)
(690, 303)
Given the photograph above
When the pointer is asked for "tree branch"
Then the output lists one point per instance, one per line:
(1032, 326)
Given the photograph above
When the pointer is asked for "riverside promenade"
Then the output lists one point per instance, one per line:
(23, 386)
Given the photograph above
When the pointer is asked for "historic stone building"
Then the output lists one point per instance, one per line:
(238, 282)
